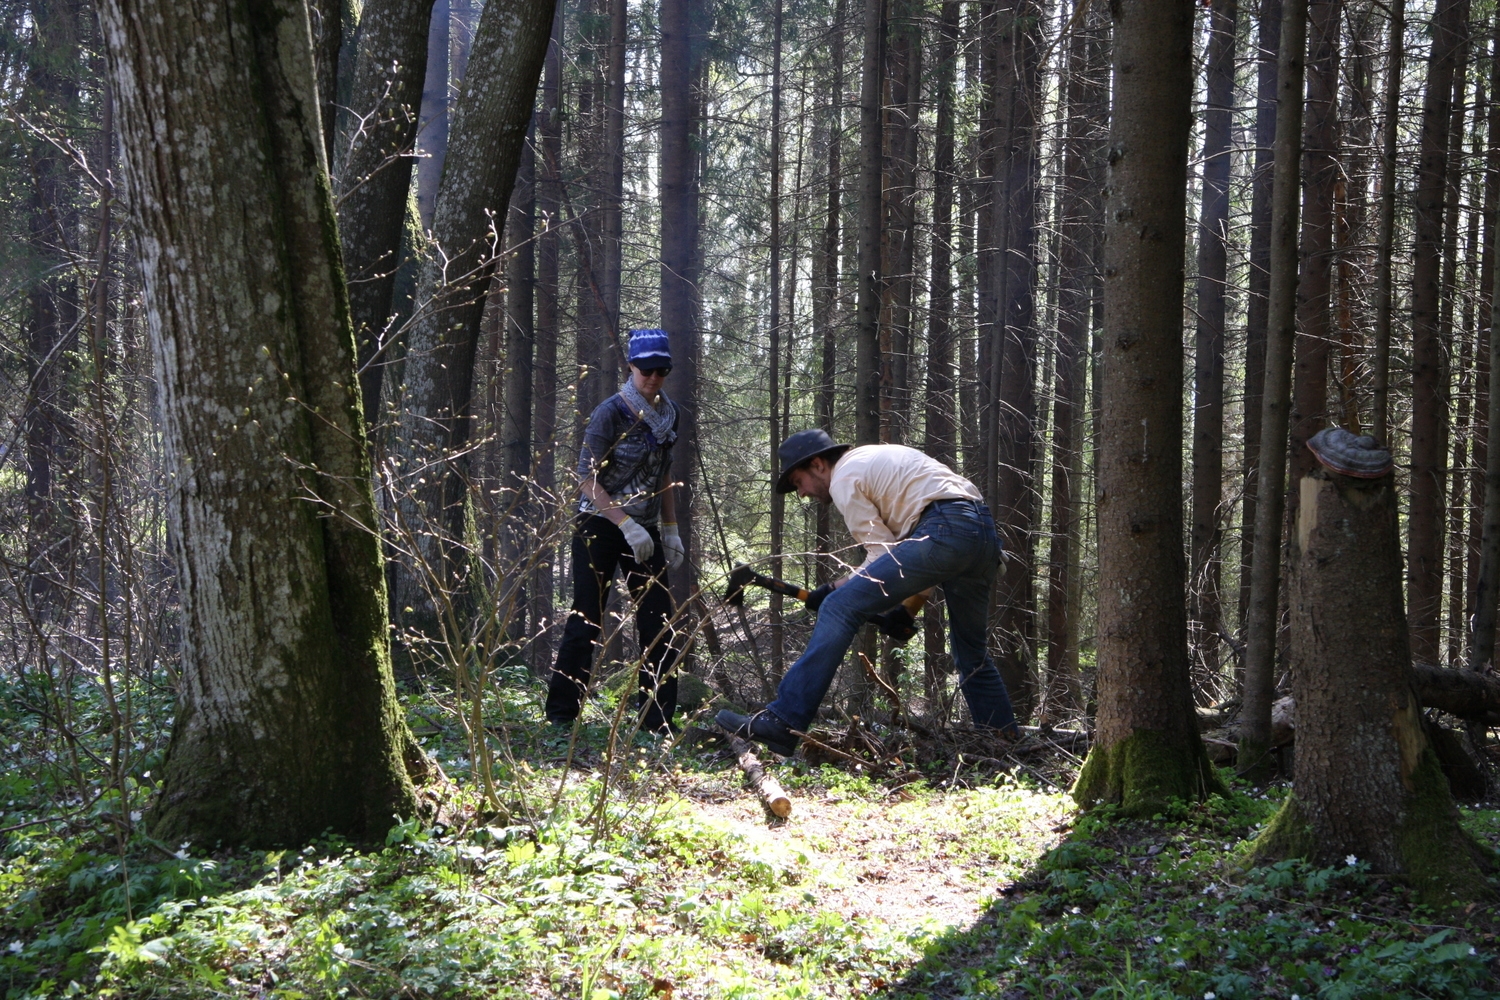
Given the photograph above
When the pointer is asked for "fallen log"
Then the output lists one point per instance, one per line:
(766, 788)
(1465, 693)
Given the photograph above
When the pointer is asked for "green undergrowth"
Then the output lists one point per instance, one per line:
(627, 867)
(1170, 907)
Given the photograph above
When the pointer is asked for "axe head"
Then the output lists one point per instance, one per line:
(739, 578)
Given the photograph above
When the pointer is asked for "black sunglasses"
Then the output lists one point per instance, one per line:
(663, 371)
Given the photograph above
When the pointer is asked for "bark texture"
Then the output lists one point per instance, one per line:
(682, 60)
(376, 178)
(1147, 749)
(1257, 298)
(1429, 368)
(287, 722)
(1208, 373)
(1367, 781)
(1083, 164)
(1320, 174)
(1265, 581)
(488, 136)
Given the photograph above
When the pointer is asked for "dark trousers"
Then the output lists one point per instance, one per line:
(598, 550)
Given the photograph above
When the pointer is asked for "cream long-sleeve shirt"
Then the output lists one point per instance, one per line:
(881, 489)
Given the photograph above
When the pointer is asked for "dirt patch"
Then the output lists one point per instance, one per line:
(908, 860)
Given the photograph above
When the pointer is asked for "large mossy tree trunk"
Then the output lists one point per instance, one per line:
(434, 502)
(1367, 783)
(1146, 749)
(287, 720)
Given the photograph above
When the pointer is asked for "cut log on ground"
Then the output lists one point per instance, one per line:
(1465, 693)
(767, 788)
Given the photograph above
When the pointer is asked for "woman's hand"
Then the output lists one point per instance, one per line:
(639, 539)
(671, 543)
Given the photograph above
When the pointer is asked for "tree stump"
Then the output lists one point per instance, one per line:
(1367, 783)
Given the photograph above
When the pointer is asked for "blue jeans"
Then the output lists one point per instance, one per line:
(953, 544)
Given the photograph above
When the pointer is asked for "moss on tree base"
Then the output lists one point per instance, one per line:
(1434, 854)
(1145, 771)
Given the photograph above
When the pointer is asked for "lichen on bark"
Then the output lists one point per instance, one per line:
(287, 723)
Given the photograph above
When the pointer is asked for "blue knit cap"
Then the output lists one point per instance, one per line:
(649, 345)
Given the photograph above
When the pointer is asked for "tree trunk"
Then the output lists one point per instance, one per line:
(1259, 285)
(50, 315)
(1265, 584)
(1146, 749)
(612, 359)
(680, 62)
(1013, 360)
(1385, 239)
(1429, 427)
(373, 186)
(582, 207)
(778, 499)
(287, 721)
(544, 366)
(1453, 507)
(1482, 644)
(826, 292)
(1208, 373)
(1079, 210)
(941, 408)
(489, 133)
(433, 135)
(1367, 783)
(871, 283)
(1320, 176)
(517, 506)
(328, 41)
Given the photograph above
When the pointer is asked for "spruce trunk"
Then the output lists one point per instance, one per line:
(1147, 750)
(1368, 785)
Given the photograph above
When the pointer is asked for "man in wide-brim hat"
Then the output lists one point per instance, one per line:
(922, 525)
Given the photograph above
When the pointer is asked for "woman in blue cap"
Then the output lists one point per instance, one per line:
(627, 520)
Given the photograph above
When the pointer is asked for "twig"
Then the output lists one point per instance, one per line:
(890, 692)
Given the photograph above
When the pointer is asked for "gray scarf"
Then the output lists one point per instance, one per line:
(658, 418)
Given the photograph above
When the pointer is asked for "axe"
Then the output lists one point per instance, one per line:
(899, 623)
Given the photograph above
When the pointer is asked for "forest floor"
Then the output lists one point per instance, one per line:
(926, 875)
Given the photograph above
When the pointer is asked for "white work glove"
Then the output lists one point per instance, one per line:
(671, 543)
(638, 538)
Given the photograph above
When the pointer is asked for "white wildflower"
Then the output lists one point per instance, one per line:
(1351, 860)
(16, 947)
(135, 815)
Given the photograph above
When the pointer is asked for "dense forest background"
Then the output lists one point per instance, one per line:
(990, 169)
(898, 220)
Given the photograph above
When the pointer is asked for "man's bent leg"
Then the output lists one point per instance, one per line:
(889, 580)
